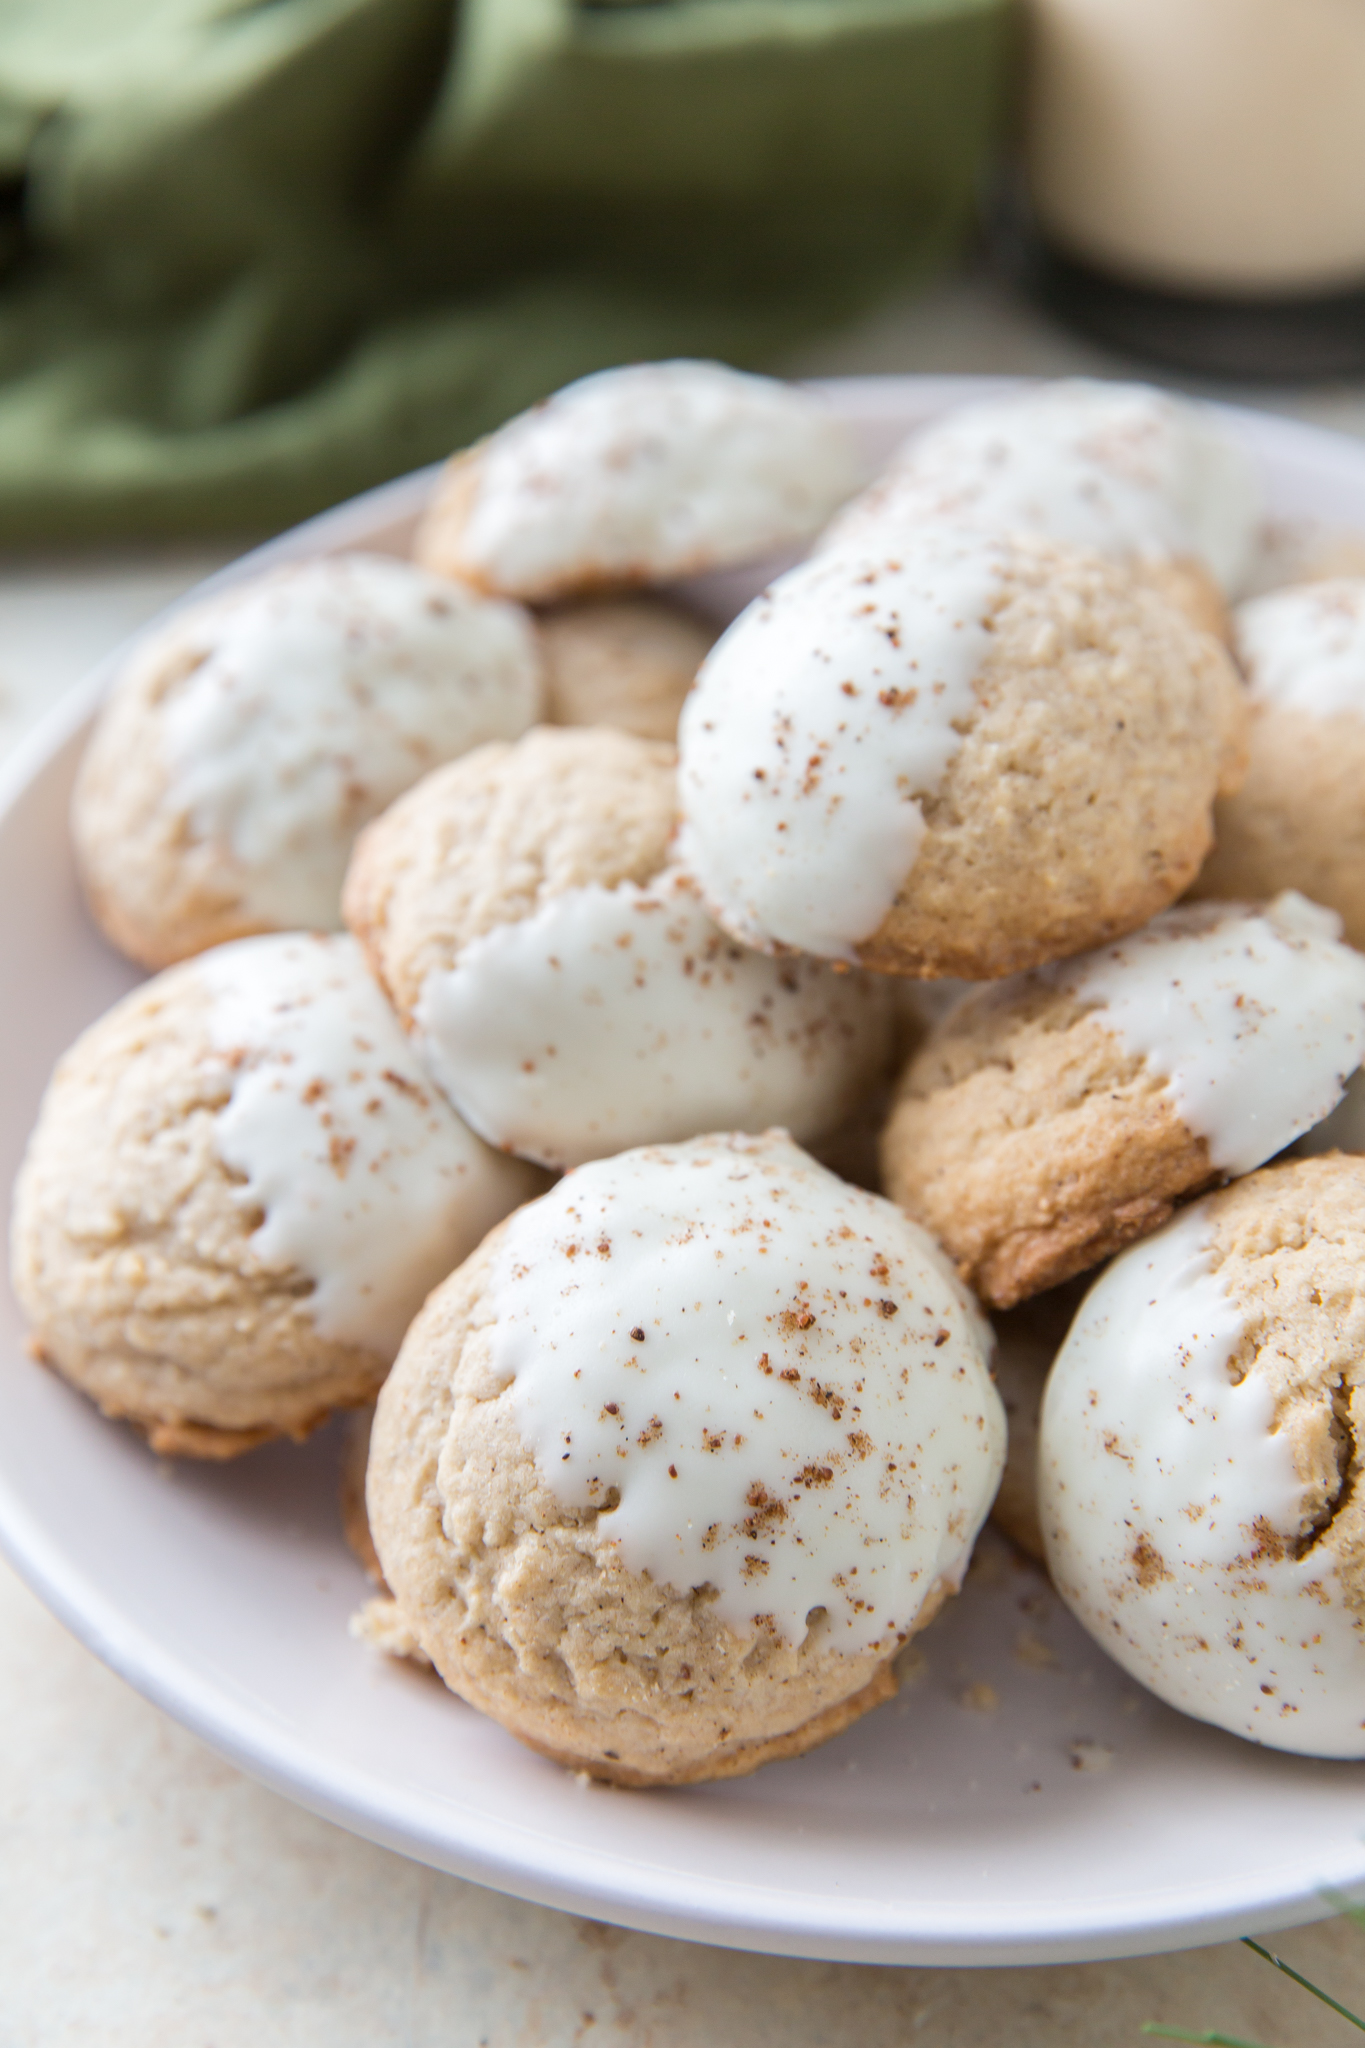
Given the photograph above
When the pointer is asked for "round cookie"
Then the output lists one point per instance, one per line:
(1191, 590)
(1297, 822)
(964, 759)
(640, 475)
(1200, 1468)
(567, 987)
(1049, 1120)
(669, 1470)
(622, 661)
(247, 740)
(1138, 475)
(239, 1191)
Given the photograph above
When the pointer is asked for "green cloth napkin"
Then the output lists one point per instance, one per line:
(258, 254)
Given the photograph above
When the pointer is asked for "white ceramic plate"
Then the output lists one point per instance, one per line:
(1022, 1801)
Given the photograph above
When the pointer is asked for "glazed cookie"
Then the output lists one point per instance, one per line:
(622, 661)
(1200, 1466)
(669, 1470)
(1298, 822)
(640, 475)
(1145, 478)
(566, 986)
(240, 1189)
(1054, 1118)
(965, 759)
(247, 740)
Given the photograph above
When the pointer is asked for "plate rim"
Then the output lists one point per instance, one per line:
(610, 1885)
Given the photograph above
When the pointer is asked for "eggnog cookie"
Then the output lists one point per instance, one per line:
(669, 1470)
(1191, 590)
(1048, 1121)
(622, 661)
(567, 988)
(240, 1189)
(1147, 479)
(965, 758)
(1298, 821)
(247, 740)
(1200, 1461)
(640, 475)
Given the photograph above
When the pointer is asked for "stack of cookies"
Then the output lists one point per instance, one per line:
(529, 962)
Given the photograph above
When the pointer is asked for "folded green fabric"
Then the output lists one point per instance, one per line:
(262, 253)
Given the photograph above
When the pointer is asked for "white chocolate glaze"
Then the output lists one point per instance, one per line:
(1117, 468)
(651, 472)
(369, 1183)
(319, 694)
(1305, 648)
(831, 706)
(616, 1017)
(768, 1382)
(1255, 1016)
(1171, 1509)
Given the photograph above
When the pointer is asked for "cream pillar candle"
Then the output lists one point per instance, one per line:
(1206, 146)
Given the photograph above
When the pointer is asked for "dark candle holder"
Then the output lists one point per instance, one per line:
(1263, 338)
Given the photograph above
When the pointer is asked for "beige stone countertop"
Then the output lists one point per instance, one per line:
(153, 1897)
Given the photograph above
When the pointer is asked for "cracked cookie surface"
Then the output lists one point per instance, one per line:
(618, 1623)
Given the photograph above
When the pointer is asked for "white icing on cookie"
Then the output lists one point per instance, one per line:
(369, 1183)
(1305, 648)
(1257, 1017)
(321, 692)
(1117, 468)
(651, 472)
(1170, 1508)
(616, 1017)
(778, 1377)
(817, 722)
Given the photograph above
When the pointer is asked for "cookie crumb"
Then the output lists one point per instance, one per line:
(1030, 1649)
(382, 1625)
(1090, 1756)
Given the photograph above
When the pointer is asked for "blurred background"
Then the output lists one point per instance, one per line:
(261, 255)
(258, 254)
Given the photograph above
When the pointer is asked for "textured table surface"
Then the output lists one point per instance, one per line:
(152, 1897)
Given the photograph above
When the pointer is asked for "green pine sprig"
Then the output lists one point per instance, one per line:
(1306, 1982)
(1211, 2039)
(1204, 2040)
